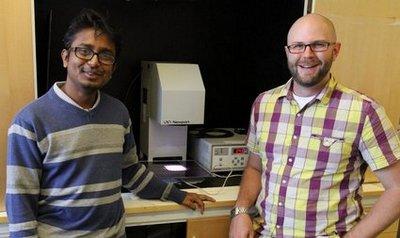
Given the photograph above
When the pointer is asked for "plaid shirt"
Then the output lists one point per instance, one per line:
(314, 158)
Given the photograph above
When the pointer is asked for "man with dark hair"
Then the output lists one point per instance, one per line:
(310, 142)
(71, 150)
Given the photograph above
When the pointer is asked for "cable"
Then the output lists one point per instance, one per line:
(131, 86)
(208, 193)
(220, 176)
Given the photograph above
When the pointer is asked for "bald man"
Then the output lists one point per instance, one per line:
(310, 142)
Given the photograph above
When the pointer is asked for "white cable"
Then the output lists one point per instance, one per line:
(220, 176)
(208, 193)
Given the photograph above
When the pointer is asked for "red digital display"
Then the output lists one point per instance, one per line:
(239, 150)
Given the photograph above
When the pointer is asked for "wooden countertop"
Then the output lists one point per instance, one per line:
(225, 199)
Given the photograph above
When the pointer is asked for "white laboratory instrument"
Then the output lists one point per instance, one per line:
(219, 154)
(172, 97)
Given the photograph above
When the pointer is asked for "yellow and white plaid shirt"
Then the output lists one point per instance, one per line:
(314, 158)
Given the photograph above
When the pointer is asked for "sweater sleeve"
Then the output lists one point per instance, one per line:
(142, 182)
(23, 180)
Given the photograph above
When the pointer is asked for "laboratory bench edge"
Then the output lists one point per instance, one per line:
(215, 220)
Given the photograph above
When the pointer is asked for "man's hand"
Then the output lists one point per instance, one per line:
(194, 201)
(241, 227)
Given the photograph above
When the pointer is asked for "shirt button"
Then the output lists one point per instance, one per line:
(278, 226)
(284, 181)
(290, 160)
(295, 137)
(298, 114)
(280, 204)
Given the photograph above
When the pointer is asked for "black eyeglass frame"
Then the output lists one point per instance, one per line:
(311, 45)
(93, 53)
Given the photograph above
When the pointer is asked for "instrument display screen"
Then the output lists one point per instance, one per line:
(239, 150)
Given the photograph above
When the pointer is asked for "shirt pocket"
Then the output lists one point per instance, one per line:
(325, 154)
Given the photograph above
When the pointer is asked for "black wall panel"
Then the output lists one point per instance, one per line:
(237, 44)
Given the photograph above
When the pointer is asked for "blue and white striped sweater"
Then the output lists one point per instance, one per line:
(65, 168)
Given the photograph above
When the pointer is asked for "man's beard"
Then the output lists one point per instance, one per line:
(96, 84)
(322, 72)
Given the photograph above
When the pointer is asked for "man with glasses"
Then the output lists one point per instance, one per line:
(71, 150)
(311, 141)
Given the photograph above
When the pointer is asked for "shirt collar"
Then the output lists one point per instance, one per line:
(323, 96)
(60, 93)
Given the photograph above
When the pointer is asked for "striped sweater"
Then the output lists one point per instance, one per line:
(66, 166)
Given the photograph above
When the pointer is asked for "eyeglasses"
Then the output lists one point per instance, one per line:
(84, 53)
(318, 46)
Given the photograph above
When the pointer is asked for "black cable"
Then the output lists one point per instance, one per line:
(131, 87)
